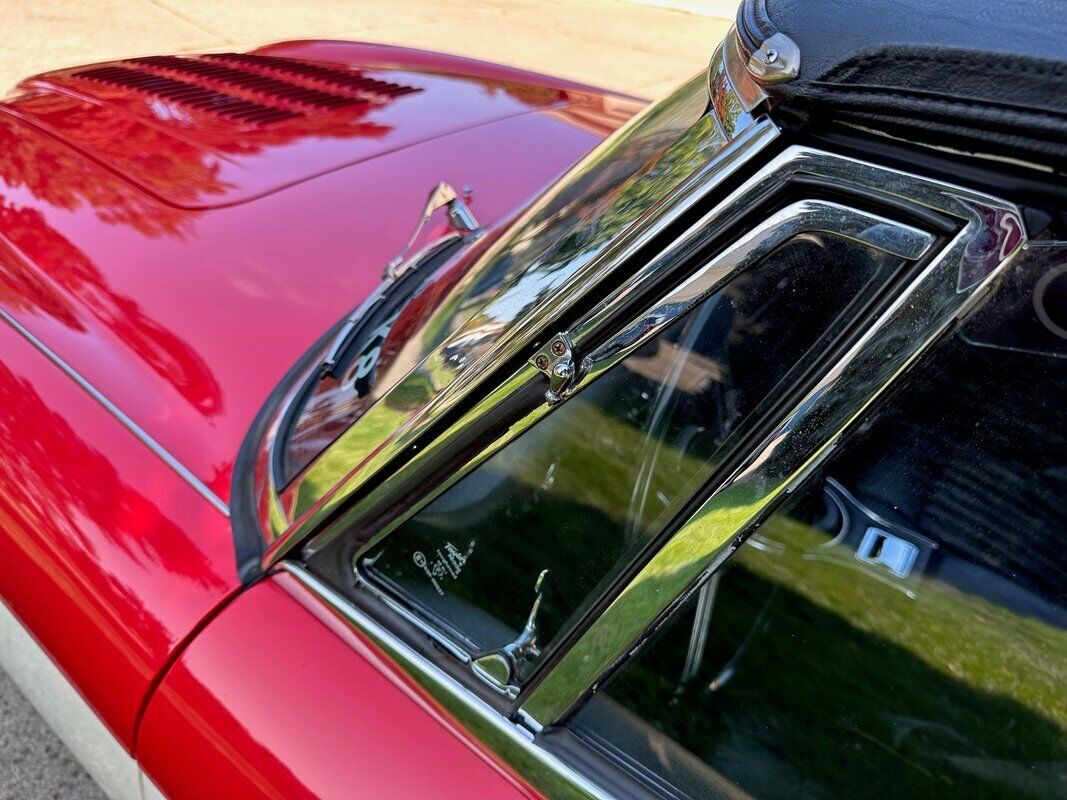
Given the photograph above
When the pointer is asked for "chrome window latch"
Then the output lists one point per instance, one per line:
(558, 362)
(499, 667)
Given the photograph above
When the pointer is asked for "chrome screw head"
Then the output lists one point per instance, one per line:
(559, 347)
(777, 60)
(541, 362)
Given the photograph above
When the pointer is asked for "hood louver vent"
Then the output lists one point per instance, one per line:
(319, 73)
(270, 88)
(252, 90)
(201, 98)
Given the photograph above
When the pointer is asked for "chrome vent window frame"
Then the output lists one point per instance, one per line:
(975, 213)
(796, 219)
(951, 285)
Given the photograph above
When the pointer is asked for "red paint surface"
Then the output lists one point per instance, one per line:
(133, 248)
(187, 319)
(106, 555)
(388, 56)
(278, 697)
(193, 158)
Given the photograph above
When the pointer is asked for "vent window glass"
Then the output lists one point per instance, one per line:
(900, 630)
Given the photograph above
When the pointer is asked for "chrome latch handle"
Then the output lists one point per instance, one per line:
(498, 668)
(460, 219)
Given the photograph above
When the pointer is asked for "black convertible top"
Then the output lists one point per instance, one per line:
(989, 74)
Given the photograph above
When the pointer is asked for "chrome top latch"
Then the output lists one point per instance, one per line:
(558, 362)
(460, 219)
(776, 61)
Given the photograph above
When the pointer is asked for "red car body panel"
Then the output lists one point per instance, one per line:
(278, 697)
(188, 318)
(180, 265)
(110, 558)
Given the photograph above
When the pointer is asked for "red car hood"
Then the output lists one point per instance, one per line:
(146, 240)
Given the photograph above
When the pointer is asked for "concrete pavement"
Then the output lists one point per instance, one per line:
(629, 46)
(34, 764)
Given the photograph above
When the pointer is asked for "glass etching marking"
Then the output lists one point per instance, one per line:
(447, 561)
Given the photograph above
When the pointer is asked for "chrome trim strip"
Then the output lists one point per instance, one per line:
(509, 322)
(948, 288)
(457, 652)
(617, 161)
(806, 216)
(118, 414)
(509, 741)
(735, 96)
(65, 711)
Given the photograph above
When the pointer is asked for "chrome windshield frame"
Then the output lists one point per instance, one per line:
(683, 157)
